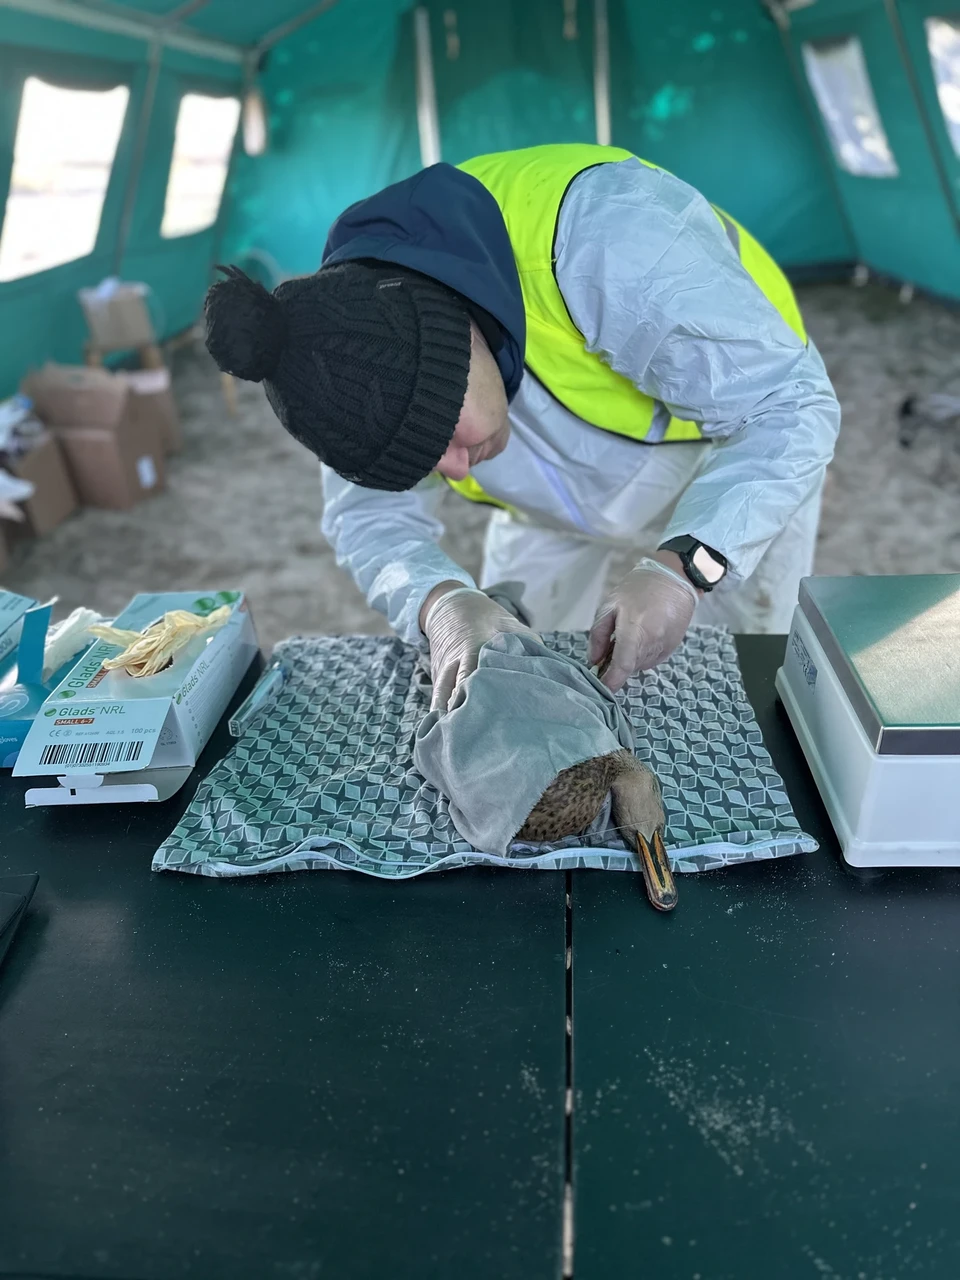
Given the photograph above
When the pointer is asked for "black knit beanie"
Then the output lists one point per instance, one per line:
(364, 363)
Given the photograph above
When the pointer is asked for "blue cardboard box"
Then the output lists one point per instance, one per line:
(22, 693)
(12, 609)
(22, 689)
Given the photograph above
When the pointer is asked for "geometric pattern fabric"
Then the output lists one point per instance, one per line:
(323, 778)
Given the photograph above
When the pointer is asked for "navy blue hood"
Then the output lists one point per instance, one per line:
(445, 224)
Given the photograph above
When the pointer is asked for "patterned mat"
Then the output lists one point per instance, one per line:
(323, 777)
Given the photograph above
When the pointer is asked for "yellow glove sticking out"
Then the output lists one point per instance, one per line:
(148, 652)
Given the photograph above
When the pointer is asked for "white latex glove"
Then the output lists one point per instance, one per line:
(67, 638)
(459, 623)
(644, 619)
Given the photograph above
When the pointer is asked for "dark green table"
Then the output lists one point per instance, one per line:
(297, 1077)
(322, 1075)
(767, 1082)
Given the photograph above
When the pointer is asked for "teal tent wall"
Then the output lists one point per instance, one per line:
(703, 90)
(342, 123)
(40, 317)
(711, 89)
(709, 95)
(906, 225)
(514, 81)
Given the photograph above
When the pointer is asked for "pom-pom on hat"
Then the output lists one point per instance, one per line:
(364, 363)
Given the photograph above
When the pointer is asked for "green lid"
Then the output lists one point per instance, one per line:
(894, 643)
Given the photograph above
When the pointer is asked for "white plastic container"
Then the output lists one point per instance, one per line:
(871, 684)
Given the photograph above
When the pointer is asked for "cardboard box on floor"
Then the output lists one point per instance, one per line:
(151, 399)
(111, 434)
(80, 396)
(54, 497)
(114, 469)
(111, 738)
(66, 395)
(117, 316)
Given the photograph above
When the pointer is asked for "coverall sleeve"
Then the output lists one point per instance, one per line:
(655, 286)
(388, 543)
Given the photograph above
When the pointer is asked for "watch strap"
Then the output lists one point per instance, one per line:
(686, 547)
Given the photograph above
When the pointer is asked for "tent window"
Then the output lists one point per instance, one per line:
(838, 76)
(943, 41)
(201, 157)
(63, 152)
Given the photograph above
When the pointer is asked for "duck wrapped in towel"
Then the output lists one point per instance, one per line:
(529, 750)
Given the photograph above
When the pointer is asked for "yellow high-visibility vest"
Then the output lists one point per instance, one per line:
(529, 186)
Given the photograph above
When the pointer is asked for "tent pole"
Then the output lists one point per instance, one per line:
(428, 120)
(893, 14)
(601, 72)
(136, 26)
(155, 57)
(186, 10)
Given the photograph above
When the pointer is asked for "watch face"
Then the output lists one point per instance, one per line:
(711, 570)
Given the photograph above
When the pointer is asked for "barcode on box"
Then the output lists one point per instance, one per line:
(71, 754)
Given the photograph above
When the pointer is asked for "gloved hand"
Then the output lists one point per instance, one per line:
(644, 618)
(458, 624)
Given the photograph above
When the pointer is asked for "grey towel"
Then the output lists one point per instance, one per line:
(523, 716)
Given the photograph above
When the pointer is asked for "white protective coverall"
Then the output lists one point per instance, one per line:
(654, 285)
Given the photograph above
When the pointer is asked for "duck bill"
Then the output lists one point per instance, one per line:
(657, 876)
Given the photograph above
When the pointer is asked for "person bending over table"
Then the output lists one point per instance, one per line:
(579, 339)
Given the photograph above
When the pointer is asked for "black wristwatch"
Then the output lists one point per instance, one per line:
(702, 565)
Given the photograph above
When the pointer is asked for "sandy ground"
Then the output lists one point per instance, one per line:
(242, 504)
